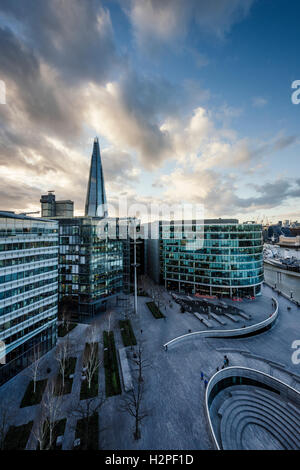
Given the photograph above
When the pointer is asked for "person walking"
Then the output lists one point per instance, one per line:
(205, 383)
(202, 375)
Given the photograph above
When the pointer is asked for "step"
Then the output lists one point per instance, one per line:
(282, 413)
(218, 319)
(203, 320)
(231, 317)
(237, 410)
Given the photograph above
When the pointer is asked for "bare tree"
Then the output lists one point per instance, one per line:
(84, 411)
(132, 402)
(62, 355)
(91, 361)
(49, 417)
(33, 369)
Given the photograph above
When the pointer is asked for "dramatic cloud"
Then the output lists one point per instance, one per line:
(74, 37)
(218, 192)
(129, 113)
(164, 21)
(68, 79)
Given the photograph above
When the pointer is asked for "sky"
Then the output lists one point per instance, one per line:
(191, 101)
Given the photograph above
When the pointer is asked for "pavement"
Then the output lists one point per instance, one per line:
(174, 391)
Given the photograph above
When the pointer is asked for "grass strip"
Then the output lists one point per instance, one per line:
(154, 310)
(112, 377)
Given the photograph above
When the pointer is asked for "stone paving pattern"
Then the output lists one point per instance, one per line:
(174, 391)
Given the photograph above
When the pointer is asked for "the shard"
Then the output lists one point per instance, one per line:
(95, 204)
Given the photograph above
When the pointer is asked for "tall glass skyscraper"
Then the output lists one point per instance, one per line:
(28, 289)
(96, 204)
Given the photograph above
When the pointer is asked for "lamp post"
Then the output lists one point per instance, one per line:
(135, 265)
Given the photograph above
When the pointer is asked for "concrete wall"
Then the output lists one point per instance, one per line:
(238, 332)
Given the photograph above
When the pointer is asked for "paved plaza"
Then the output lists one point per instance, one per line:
(174, 391)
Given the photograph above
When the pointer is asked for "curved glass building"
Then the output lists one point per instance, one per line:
(217, 257)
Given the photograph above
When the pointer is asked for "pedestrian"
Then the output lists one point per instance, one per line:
(205, 383)
(202, 375)
(166, 347)
(217, 369)
(141, 331)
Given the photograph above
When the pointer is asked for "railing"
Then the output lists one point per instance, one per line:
(288, 392)
(237, 332)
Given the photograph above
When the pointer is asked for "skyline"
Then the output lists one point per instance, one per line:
(195, 97)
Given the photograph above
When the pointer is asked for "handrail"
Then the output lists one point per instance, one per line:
(225, 333)
(242, 372)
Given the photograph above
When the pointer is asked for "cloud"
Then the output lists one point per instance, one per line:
(259, 102)
(128, 112)
(74, 37)
(218, 193)
(165, 21)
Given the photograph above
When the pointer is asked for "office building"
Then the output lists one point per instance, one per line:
(90, 266)
(52, 208)
(28, 290)
(216, 257)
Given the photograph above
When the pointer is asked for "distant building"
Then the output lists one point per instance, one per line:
(96, 205)
(52, 208)
(289, 242)
(217, 257)
(275, 231)
(28, 290)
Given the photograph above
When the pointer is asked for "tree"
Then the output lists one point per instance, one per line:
(84, 411)
(132, 402)
(91, 361)
(49, 417)
(33, 369)
(63, 350)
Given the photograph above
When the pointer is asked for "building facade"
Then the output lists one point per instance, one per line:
(52, 208)
(217, 257)
(90, 265)
(28, 290)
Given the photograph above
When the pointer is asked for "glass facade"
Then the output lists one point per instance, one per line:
(209, 258)
(96, 205)
(28, 289)
(90, 264)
